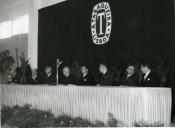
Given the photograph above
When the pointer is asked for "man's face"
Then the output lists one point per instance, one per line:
(84, 70)
(34, 72)
(48, 70)
(66, 71)
(102, 68)
(130, 70)
(143, 69)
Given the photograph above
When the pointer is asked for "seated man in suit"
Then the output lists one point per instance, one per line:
(105, 77)
(67, 78)
(50, 77)
(130, 78)
(86, 78)
(35, 76)
(150, 78)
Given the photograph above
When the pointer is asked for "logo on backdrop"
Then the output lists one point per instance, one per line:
(101, 23)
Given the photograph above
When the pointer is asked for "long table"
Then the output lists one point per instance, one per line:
(127, 104)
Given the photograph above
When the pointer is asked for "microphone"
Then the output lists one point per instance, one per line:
(58, 63)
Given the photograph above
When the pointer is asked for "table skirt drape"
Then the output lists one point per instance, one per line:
(127, 104)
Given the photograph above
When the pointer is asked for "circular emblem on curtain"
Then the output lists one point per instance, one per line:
(101, 23)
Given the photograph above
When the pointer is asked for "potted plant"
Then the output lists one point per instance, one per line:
(6, 62)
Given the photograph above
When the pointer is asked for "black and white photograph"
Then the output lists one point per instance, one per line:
(87, 63)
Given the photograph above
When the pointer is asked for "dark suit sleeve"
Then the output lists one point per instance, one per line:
(51, 80)
(110, 79)
(155, 81)
(96, 78)
(152, 80)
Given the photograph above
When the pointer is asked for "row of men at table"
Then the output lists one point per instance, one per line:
(104, 77)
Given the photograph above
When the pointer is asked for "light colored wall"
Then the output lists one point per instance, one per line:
(28, 43)
(10, 9)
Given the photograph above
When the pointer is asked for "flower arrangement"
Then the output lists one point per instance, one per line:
(24, 71)
(6, 62)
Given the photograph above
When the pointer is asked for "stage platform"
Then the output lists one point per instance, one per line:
(127, 104)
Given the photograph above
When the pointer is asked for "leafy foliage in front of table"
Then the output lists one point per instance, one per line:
(28, 117)
(146, 124)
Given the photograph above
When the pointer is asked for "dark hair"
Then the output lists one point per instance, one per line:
(85, 66)
(148, 65)
(132, 65)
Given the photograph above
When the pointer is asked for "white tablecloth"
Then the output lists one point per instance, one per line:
(127, 104)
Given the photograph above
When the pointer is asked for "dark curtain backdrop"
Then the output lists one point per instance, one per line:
(141, 29)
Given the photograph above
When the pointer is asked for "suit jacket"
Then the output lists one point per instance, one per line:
(86, 80)
(67, 80)
(50, 80)
(106, 79)
(130, 81)
(152, 80)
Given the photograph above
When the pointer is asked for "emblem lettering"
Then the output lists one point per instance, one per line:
(101, 23)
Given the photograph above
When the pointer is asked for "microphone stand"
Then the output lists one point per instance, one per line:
(58, 63)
